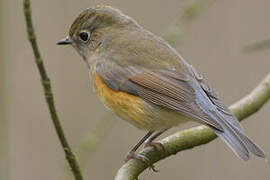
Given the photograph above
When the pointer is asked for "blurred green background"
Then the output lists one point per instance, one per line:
(211, 37)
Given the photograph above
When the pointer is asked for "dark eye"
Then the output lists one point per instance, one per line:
(84, 36)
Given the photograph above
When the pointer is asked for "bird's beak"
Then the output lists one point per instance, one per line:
(64, 41)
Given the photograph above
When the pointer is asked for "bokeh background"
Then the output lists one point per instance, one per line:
(210, 34)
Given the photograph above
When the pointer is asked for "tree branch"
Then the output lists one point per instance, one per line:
(196, 136)
(189, 14)
(48, 93)
(90, 143)
(257, 46)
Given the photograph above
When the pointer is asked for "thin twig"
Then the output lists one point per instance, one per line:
(189, 14)
(257, 46)
(48, 93)
(93, 139)
(193, 137)
(4, 153)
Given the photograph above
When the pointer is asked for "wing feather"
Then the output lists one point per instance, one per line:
(189, 95)
(220, 106)
(166, 88)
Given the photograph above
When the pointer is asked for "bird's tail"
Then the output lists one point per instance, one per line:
(238, 141)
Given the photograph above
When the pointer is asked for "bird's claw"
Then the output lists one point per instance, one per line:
(155, 145)
(132, 155)
(140, 157)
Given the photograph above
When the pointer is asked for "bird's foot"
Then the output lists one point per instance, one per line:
(133, 155)
(154, 145)
(144, 159)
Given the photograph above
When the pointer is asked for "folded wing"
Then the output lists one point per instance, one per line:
(189, 95)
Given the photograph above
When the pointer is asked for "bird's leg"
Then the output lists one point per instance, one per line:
(131, 154)
(149, 141)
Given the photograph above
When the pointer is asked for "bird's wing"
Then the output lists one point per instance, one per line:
(167, 88)
(189, 94)
(213, 97)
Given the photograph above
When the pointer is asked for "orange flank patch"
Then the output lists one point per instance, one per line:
(126, 106)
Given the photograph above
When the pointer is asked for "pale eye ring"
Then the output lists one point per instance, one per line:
(84, 36)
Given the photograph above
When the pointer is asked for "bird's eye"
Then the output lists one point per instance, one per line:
(84, 36)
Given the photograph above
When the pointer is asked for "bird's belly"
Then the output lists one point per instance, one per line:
(142, 114)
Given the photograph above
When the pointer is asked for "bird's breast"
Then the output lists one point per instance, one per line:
(128, 107)
(134, 109)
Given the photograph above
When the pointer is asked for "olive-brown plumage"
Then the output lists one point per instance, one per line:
(146, 82)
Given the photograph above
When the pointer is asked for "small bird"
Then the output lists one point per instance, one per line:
(146, 82)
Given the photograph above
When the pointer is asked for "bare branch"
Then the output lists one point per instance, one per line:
(48, 93)
(257, 46)
(93, 139)
(189, 14)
